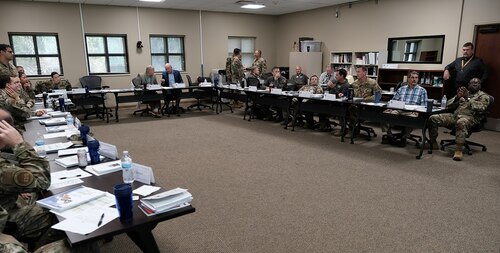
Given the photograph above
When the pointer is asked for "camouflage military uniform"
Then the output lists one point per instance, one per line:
(366, 89)
(462, 118)
(18, 109)
(46, 86)
(261, 63)
(339, 88)
(314, 89)
(237, 73)
(8, 70)
(279, 83)
(30, 102)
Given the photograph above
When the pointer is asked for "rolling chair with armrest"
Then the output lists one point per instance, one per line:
(251, 81)
(198, 94)
(94, 83)
(474, 129)
(137, 83)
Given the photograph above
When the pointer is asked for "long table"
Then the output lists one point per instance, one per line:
(139, 230)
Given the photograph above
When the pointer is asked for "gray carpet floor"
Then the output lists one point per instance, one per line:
(260, 188)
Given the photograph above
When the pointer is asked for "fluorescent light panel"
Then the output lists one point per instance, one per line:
(253, 6)
(154, 1)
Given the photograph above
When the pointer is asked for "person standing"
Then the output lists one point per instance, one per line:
(237, 73)
(259, 62)
(6, 56)
(466, 67)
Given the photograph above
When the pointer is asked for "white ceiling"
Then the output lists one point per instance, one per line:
(273, 7)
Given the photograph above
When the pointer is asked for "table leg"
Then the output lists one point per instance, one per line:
(144, 239)
(116, 107)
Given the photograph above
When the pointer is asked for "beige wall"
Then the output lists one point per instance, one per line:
(364, 27)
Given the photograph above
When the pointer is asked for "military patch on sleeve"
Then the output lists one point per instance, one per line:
(23, 178)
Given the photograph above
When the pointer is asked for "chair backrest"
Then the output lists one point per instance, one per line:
(265, 76)
(137, 81)
(201, 79)
(252, 81)
(92, 82)
(190, 82)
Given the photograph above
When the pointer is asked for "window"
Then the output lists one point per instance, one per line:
(411, 50)
(167, 49)
(247, 46)
(38, 53)
(107, 54)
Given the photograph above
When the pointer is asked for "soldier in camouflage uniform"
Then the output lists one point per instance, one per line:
(313, 88)
(259, 62)
(6, 56)
(237, 73)
(11, 101)
(27, 87)
(365, 88)
(299, 79)
(468, 103)
(276, 81)
(53, 84)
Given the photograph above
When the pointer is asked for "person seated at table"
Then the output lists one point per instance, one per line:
(313, 88)
(299, 79)
(276, 80)
(54, 83)
(169, 77)
(340, 88)
(467, 106)
(148, 78)
(26, 84)
(11, 101)
(411, 93)
(327, 77)
(364, 88)
(254, 76)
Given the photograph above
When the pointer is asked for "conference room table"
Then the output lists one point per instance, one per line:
(139, 229)
(368, 111)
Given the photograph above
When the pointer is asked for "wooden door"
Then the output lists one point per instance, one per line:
(488, 48)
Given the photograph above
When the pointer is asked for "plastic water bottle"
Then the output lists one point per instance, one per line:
(40, 143)
(444, 101)
(128, 172)
(70, 120)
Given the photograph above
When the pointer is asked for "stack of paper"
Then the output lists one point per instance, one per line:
(166, 201)
(71, 151)
(55, 129)
(53, 121)
(104, 168)
(55, 146)
(66, 178)
(71, 161)
(69, 199)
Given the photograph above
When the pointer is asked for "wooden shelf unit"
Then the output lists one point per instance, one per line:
(350, 60)
(431, 80)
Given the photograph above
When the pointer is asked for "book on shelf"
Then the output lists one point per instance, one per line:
(70, 198)
(166, 201)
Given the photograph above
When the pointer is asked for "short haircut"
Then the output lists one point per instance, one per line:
(413, 73)
(313, 76)
(469, 44)
(53, 74)
(272, 70)
(260, 52)
(362, 67)
(236, 51)
(342, 72)
(4, 80)
(3, 47)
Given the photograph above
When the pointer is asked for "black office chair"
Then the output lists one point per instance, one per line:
(474, 129)
(94, 83)
(138, 84)
(198, 94)
(252, 81)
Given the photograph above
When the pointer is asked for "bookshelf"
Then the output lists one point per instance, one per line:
(431, 80)
(350, 60)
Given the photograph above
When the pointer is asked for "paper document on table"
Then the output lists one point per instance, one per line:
(145, 190)
(71, 161)
(104, 168)
(70, 198)
(53, 121)
(66, 133)
(45, 116)
(58, 114)
(88, 223)
(373, 104)
(55, 129)
(61, 178)
(55, 146)
(100, 203)
(71, 151)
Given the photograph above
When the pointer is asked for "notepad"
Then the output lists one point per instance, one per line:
(104, 168)
(71, 198)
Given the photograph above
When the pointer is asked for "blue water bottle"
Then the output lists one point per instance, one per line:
(62, 107)
(94, 151)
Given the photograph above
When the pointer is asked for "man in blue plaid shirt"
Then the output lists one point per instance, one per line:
(411, 94)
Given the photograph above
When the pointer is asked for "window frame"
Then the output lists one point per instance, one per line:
(36, 55)
(409, 52)
(250, 55)
(106, 53)
(165, 38)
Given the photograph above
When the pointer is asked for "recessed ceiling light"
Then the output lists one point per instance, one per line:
(253, 6)
(154, 1)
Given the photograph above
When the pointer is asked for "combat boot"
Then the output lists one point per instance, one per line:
(458, 153)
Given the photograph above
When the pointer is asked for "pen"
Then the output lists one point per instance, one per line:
(100, 220)
(70, 177)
